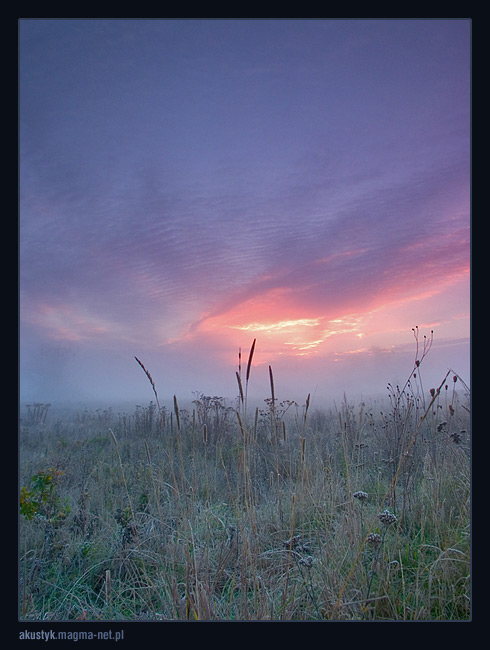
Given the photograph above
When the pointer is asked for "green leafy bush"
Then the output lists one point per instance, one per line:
(42, 498)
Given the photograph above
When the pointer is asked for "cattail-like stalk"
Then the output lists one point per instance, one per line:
(273, 404)
(271, 377)
(240, 387)
(177, 415)
(307, 406)
(250, 357)
(247, 377)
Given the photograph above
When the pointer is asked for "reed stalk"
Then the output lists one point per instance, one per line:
(247, 377)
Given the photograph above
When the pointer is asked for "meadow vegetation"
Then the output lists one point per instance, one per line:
(222, 511)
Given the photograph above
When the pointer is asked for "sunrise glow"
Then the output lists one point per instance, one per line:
(302, 183)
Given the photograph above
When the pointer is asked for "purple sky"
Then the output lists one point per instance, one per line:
(188, 186)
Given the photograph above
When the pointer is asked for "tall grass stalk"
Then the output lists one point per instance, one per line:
(150, 379)
(247, 377)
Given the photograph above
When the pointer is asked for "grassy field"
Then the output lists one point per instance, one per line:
(222, 511)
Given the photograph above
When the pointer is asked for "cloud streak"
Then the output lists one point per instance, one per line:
(184, 180)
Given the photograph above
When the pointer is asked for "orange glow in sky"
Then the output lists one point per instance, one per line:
(443, 306)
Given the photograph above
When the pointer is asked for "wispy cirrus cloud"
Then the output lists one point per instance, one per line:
(183, 189)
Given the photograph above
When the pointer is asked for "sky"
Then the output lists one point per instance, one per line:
(188, 186)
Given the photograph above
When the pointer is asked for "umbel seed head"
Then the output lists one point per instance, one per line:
(362, 496)
(387, 518)
(374, 539)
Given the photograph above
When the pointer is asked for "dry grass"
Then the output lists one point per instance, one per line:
(350, 513)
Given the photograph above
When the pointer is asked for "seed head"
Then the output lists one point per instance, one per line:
(374, 539)
(387, 518)
(362, 496)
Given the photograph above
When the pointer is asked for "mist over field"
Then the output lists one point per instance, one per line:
(62, 378)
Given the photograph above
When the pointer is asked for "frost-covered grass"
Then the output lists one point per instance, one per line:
(217, 513)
